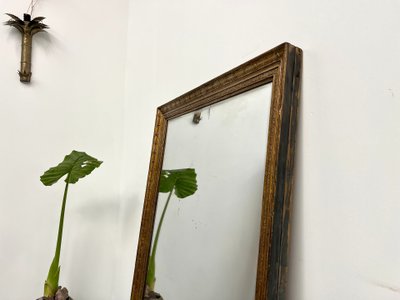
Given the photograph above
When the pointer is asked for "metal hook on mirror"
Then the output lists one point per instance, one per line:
(197, 117)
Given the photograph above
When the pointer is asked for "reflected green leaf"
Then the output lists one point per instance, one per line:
(182, 180)
(184, 183)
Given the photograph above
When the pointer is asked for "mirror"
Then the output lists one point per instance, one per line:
(215, 230)
(216, 214)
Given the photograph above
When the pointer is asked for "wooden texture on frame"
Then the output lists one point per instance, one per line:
(282, 67)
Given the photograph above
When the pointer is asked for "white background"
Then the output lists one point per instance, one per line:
(104, 67)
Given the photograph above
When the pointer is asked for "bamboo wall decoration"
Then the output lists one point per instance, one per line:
(27, 28)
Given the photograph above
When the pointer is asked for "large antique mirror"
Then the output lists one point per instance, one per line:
(215, 221)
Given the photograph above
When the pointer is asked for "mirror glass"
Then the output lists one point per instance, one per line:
(207, 247)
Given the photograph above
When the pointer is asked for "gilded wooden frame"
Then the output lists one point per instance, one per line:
(280, 66)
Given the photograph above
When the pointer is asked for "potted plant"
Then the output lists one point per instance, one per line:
(74, 167)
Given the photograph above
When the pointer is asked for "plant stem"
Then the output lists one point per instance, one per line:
(51, 284)
(151, 280)
(61, 224)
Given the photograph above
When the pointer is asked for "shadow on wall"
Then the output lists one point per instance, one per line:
(91, 256)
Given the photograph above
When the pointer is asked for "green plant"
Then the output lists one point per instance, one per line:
(75, 166)
(183, 182)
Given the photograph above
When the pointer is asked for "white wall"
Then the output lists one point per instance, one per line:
(346, 204)
(73, 102)
(345, 224)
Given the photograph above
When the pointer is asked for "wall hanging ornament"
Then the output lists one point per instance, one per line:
(27, 27)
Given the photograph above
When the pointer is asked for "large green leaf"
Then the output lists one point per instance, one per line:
(182, 180)
(77, 165)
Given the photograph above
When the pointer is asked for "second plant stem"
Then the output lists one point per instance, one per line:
(151, 280)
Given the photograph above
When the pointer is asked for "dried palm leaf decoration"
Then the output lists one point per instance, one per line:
(27, 28)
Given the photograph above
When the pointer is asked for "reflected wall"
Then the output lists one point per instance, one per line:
(208, 244)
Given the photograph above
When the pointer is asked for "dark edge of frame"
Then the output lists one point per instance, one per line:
(277, 273)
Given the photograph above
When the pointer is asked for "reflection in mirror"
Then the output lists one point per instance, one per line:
(207, 246)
